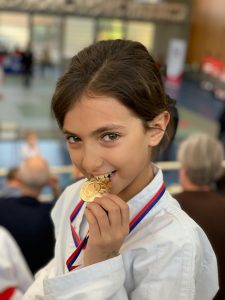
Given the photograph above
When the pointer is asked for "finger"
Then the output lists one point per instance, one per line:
(113, 210)
(101, 217)
(94, 229)
(124, 208)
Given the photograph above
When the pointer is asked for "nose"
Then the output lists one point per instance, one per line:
(91, 160)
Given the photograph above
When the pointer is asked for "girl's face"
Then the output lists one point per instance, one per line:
(104, 137)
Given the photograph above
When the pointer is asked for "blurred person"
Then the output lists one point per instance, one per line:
(15, 276)
(30, 148)
(12, 184)
(17, 52)
(201, 159)
(54, 185)
(76, 174)
(221, 122)
(2, 73)
(45, 61)
(27, 65)
(28, 219)
(220, 184)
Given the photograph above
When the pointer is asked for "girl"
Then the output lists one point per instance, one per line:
(134, 242)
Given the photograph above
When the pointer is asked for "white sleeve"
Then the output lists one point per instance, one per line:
(98, 281)
(169, 271)
(14, 272)
(36, 290)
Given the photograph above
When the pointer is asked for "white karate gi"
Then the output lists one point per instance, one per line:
(166, 257)
(14, 272)
(28, 151)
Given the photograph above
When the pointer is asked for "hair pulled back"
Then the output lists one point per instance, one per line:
(121, 69)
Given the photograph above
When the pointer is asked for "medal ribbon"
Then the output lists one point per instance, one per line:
(75, 212)
(136, 220)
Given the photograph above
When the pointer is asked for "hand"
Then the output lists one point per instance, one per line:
(54, 184)
(108, 218)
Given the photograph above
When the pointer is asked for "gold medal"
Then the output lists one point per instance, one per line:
(94, 187)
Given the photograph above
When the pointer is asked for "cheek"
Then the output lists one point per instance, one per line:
(135, 154)
(74, 156)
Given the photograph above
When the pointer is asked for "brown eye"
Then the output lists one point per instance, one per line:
(110, 137)
(72, 139)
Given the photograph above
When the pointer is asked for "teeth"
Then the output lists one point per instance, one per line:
(104, 176)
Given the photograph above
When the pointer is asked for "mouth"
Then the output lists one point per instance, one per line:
(104, 176)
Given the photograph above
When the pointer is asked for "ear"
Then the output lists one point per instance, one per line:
(157, 128)
(184, 179)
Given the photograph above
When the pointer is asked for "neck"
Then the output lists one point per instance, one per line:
(189, 186)
(138, 184)
(27, 191)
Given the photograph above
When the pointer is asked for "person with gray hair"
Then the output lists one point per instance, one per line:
(28, 219)
(200, 158)
(34, 175)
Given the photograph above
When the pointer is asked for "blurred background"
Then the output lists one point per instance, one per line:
(38, 39)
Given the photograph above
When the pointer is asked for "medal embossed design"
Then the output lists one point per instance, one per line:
(94, 187)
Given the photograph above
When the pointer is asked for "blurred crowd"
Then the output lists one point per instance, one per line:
(26, 230)
(213, 81)
(21, 61)
(213, 76)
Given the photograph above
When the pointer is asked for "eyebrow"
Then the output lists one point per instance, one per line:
(98, 131)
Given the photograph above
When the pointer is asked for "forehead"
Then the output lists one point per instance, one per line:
(98, 111)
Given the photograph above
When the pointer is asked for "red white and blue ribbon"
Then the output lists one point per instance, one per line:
(81, 245)
(145, 210)
(75, 212)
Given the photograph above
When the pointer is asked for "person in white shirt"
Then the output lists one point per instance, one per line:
(133, 242)
(15, 276)
(30, 147)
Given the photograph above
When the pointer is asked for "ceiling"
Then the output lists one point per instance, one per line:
(148, 10)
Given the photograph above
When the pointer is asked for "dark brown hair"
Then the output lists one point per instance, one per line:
(121, 69)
